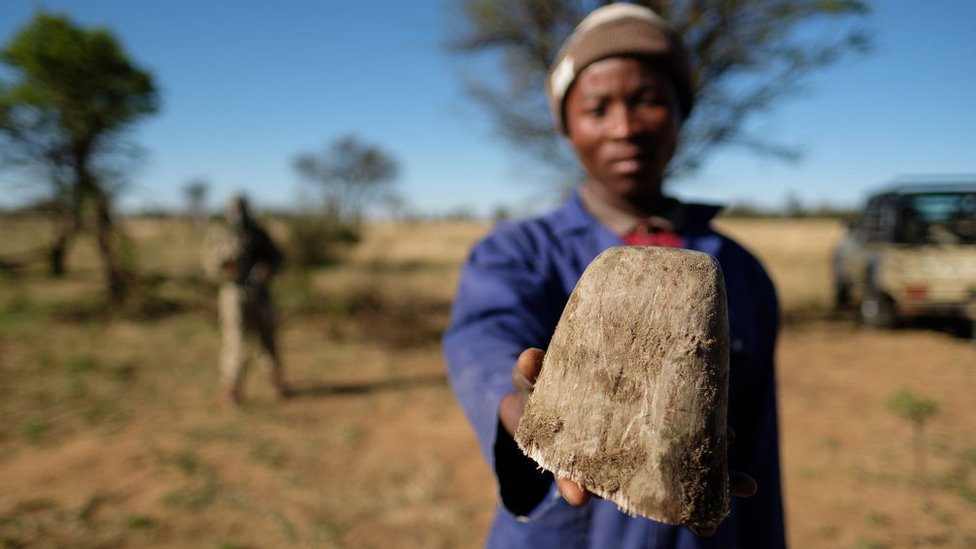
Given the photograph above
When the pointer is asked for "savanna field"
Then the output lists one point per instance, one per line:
(113, 432)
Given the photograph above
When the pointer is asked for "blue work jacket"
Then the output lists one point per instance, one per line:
(513, 288)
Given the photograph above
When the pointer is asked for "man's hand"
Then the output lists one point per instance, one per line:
(512, 407)
(524, 374)
(740, 485)
(259, 273)
(510, 411)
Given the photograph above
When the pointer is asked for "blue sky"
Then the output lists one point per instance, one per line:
(247, 85)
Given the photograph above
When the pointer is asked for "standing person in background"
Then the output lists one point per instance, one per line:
(244, 258)
(620, 90)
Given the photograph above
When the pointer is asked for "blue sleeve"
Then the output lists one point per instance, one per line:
(754, 414)
(507, 301)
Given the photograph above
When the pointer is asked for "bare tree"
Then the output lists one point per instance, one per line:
(750, 55)
(351, 174)
(195, 192)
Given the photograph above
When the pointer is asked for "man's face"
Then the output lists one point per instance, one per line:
(623, 120)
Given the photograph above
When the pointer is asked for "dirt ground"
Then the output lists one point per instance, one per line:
(112, 432)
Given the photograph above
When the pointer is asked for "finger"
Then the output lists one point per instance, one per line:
(527, 369)
(510, 411)
(742, 485)
(571, 492)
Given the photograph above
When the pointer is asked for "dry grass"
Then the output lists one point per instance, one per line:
(112, 432)
(797, 254)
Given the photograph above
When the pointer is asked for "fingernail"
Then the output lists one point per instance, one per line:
(524, 379)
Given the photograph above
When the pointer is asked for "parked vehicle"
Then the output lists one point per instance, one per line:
(911, 252)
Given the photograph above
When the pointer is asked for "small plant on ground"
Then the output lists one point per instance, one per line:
(917, 410)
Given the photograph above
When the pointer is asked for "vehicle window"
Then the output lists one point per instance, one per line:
(888, 220)
(870, 225)
(941, 218)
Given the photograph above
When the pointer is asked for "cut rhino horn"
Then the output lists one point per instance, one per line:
(631, 400)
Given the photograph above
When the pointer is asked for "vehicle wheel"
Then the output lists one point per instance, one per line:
(878, 311)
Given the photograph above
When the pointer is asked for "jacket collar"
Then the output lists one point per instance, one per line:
(573, 217)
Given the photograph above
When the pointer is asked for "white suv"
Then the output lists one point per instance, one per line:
(910, 253)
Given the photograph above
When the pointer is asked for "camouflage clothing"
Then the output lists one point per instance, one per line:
(243, 258)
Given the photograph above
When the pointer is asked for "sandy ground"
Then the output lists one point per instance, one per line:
(112, 432)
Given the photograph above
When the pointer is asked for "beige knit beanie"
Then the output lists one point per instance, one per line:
(613, 30)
